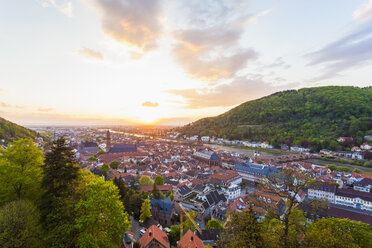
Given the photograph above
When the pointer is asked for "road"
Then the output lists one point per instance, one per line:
(351, 166)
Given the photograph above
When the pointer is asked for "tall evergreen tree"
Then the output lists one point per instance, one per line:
(58, 202)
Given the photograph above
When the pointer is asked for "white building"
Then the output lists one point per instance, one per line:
(323, 191)
(233, 191)
(353, 198)
(205, 138)
(364, 185)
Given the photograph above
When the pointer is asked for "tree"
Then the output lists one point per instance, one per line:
(145, 181)
(104, 168)
(19, 225)
(174, 235)
(187, 223)
(92, 159)
(100, 152)
(159, 180)
(101, 220)
(213, 224)
(242, 230)
(114, 164)
(145, 210)
(356, 170)
(332, 167)
(57, 206)
(20, 171)
(291, 182)
(334, 232)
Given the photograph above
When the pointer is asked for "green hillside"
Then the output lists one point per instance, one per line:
(310, 115)
(10, 131)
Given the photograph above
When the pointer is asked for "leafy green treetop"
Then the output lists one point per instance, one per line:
(20, 171)
(159, 180)
(145, 210)
(213, 224)
(145, 181)
(114, 164)
(101, 220)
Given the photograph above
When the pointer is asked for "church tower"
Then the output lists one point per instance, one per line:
(108, 141)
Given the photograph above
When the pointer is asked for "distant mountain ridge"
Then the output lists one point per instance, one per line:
(317, 115)
(10, 131)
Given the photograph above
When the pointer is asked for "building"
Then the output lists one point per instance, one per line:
(209, 236)
(163, 188)
(299, 149)
(233, 191)
(353, 198)
(322, 191)
(183, 192)
(154, 237)
(189, 240)
(162, 211)
(207, 156)
(364, 185)
(254, 172)
(119, 148)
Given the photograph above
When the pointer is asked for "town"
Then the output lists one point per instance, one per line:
(192, 176)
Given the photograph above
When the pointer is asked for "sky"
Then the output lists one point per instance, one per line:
(171, 62)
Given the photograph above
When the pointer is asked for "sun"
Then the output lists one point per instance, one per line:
(147, 115)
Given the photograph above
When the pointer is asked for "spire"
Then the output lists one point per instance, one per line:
(108, 141)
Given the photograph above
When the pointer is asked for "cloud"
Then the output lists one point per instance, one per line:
(195, 49)
(2, 90)
(90, 53)
(363, 13)
(41, 109)
(208, 47)
(238, 91)
(150, 104)
(351, 51)
(134, 22)
(65, 7)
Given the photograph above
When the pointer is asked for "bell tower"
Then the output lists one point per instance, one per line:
(108, 141)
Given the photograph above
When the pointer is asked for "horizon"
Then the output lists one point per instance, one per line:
(159, 63)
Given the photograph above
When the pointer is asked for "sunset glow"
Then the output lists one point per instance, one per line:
(170, 62)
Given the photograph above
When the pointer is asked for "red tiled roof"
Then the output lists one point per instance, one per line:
(190, 240)
(154, 233)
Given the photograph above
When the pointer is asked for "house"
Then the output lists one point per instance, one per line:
(205, 138)
(364, 185)
(368, 137)
(345, 140)
(299, 149)
(353, 198)
(322, 191)
(209, 236)
(154, 237)
(366, 146)
(213, 200)
(356, 149)
(254, 172)
(357, 155)
(183, 192)
(284, 147)
(189, 240)
(233, 191)
(127, 241)
(162, 211)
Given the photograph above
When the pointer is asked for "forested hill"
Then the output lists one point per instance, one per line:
(10, 131)
(317, 115)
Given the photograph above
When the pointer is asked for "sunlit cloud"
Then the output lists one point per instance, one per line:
(150, 104)
(208, 47)
(134, 22)
(364, 12)
(4, 105)
(90, 53)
